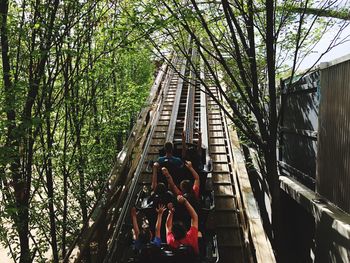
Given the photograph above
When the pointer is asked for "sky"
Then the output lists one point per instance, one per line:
(335, 53)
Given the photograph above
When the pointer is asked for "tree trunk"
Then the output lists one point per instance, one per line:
(270, 157)
(49, 183)
(23, 230)
(82, 192)
(65, 149)
(12, 143)
(65, 185)
(270, 151)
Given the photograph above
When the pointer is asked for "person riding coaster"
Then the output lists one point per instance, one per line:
(176, 233)
(193, 152)
(173, 163)
(184, 196)
(180, 241)
(185, 186)
(169, 156)
(187, 189)
(144, 236)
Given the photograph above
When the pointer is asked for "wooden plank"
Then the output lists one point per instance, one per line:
(229, 236)
(224, 203)
(218, 157)
(223, 190)
(222, 178)
(215, 121)
(216, 134)
(260, 243)
(156, 141)
(221, 167)
(226, 218)
(220, 141)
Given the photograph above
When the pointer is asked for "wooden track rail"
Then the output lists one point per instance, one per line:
(227, 222)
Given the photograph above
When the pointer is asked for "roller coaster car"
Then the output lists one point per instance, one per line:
(208, 245)
(164, 254)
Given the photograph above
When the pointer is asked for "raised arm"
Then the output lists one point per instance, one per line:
(134, 223)
(154, 175)
(184, 146)
(160, 210)
(190, 209)
(193, 172)
(169, 220)
(170, 181)
(199, 144)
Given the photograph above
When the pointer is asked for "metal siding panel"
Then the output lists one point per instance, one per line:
(298, 128)
(333, 161)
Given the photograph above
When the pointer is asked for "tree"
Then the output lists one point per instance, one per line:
(73, 79)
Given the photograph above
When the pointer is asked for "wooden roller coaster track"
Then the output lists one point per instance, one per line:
(177, 103)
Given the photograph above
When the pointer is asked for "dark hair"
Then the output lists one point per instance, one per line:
(186, 186)
(168, 147)
(160, 189)
(179, 230)
(144, 236)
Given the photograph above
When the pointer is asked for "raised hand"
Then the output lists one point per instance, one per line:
(188, 164)
(165, 172)
(171, 207)
(161, 208)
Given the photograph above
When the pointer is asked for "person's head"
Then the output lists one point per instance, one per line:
(168, 147)
(145, 236)
(186, 186)
(179, 230)
(160, 189)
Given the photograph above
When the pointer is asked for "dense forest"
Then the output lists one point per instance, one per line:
(76, 73)
(74, 79)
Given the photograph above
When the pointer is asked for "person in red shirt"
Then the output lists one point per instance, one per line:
(176, 233)
(185, 185)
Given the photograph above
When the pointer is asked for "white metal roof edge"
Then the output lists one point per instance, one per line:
(334, 62)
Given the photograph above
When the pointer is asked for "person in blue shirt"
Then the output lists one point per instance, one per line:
(144, 236)
(170, 158)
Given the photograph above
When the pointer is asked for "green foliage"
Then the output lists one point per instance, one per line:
(96, 77)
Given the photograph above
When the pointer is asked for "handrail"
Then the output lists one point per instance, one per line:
(189, 117)
(175, 110)
(176, 106)
(204, 120)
